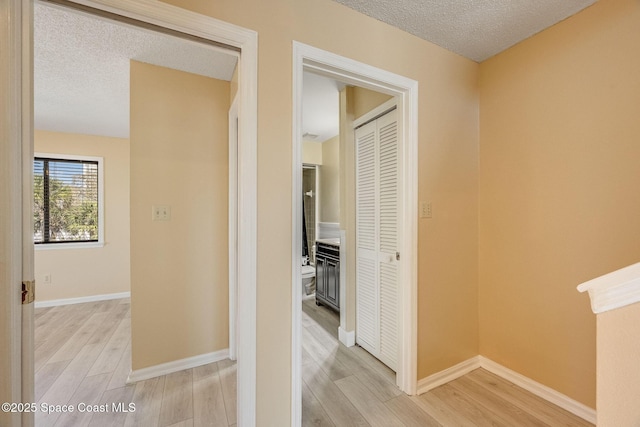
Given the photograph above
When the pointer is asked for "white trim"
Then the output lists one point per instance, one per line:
(70, 245)
(169, 16)
(176, 366)
(80, 300)
(247, 226)
(296, 244)
(348, 338)
(343, 289)
(448, 375)
(614, 290)
(406, 90)
(540, 390)
(233, 224)
(378, 111)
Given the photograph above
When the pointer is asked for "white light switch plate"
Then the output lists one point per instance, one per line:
(161, 213)
(425, 210)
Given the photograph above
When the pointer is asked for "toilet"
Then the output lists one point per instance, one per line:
(308, 279)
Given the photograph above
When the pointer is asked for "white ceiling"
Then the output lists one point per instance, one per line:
(320, 107)
(475, 29)
(81, 69)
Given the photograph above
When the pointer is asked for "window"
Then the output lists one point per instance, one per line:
(67, 204)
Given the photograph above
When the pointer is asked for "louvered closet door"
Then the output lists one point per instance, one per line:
(377, 238)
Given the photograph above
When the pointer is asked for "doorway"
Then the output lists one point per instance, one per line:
(19, 127)
(307, 58)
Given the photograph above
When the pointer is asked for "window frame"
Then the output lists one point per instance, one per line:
(78, 245)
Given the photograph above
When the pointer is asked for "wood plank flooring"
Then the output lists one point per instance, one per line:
(349, 387)
(82, 354)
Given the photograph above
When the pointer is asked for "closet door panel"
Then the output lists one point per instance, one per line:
(377, 189)
(367, 325)
(389, 315)
(367, 316)
(388, 238)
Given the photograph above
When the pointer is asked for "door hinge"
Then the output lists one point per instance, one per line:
(28, 291)
(397, 256)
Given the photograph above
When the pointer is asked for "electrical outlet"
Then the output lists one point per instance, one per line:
(425, 210)
(47, 279)
(161, 213)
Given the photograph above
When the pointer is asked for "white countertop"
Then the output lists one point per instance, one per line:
(334, 242)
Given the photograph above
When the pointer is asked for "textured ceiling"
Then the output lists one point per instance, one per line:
(475, 29)
(81, 69)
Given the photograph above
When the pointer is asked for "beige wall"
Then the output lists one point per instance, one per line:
(365, 100)
(618, 373)
(90, 271)
(179, 268)
(448, 175)
(311, 153)
(559, 199)
(330, 181)
(348, 207)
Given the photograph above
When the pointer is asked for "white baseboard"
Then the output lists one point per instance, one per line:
(176, 365)
(92, 298)
(449, 374)
(540, 390)
(348, 338)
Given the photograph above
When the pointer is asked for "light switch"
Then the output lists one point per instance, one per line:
(161, 213)
(425, 210)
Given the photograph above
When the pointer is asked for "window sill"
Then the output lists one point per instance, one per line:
(57, 246)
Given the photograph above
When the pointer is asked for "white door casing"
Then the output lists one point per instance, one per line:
(377, 238)
(233, 227)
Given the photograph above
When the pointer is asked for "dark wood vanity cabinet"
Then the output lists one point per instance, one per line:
(328, 275)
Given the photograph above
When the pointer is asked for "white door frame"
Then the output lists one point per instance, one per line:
(406, 90)
(16, 246)
(233, 224)
(16, 111)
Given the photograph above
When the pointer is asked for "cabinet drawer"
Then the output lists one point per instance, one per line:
(329, 251)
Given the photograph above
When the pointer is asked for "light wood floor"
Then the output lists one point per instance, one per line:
(83, 354)
(349, 387)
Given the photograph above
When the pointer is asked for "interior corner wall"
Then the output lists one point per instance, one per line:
(92, 271)
(330, 181)
(365, 100)
(179, 268)
(447, 175)
(559, 197)
(311, 153)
